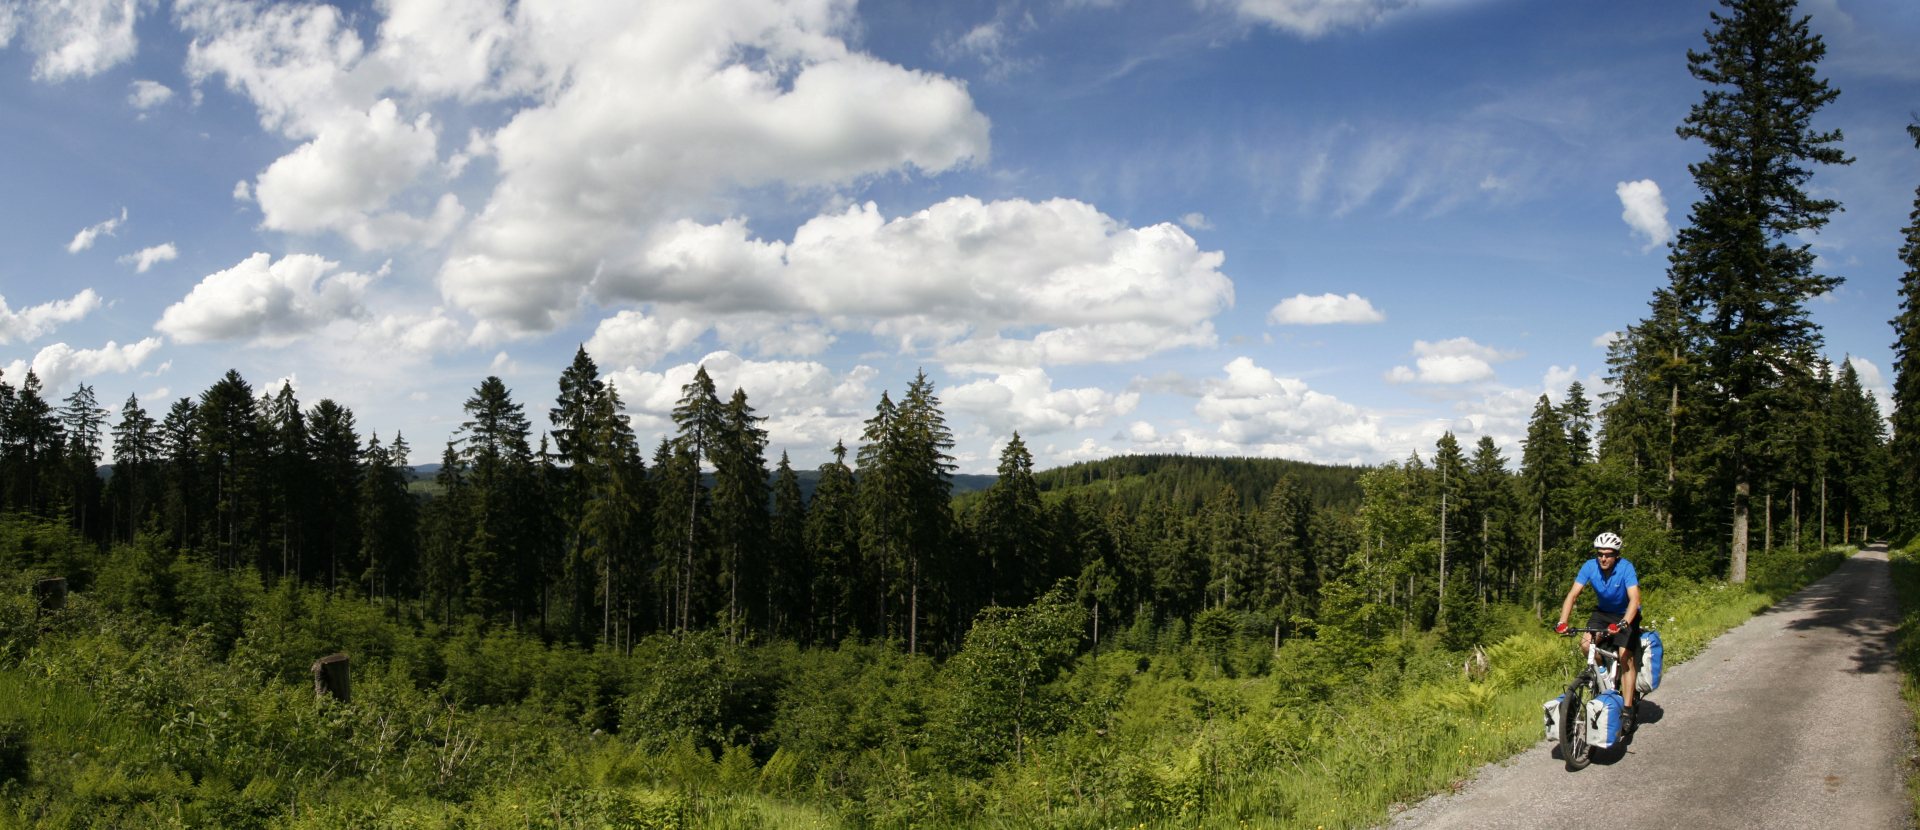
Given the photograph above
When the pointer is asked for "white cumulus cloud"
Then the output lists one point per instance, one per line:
(146, 258)
(1455, 361)
(1027, 402)
(59, 363)
(342, 179)
(87, 235)
(264, 301)
(1323, 309)
(667, 106)
(31, 322)
(993, 285)
(1645, 211)
(635, 340)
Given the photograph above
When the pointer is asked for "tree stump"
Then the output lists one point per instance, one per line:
(330, 678)
(52, 593)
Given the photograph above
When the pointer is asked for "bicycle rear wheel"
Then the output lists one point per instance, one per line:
(1574, 748)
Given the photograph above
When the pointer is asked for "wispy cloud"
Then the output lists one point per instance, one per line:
(86, 237)
(146, 258)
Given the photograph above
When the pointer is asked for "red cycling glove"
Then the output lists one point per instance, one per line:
(1613, 628)
(1560, 628)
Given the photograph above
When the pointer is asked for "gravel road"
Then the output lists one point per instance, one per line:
(1793, 719)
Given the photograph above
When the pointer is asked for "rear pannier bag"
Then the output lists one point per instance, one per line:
(1552, 718)
(1651, 659)
(1603, 719)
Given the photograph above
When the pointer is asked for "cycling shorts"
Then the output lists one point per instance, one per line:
(1629, 636)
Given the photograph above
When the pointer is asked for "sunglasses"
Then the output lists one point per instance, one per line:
(1604, 553)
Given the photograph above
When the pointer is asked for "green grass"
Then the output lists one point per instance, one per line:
(1905, 564)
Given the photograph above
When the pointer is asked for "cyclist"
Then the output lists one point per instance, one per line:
(1617, 586)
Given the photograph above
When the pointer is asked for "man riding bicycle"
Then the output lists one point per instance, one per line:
(1617, 587)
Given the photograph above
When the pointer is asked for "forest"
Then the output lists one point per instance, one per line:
(568, 629)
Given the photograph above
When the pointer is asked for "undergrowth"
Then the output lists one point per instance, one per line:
(114, 712)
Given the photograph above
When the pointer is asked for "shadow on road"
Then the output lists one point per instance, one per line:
(1844, 602)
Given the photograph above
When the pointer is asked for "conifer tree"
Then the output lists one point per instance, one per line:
(1740, 263)
(700, 419)
(136, 450)
(1490, 514)
(179, 447)
(740, 506)
(1282, 536)
(573, 418)
(833, 550)
(928, 477)
(444, 530)
(1546, 471)
(500, 566)
(81, 419)
(1905, 446)
(229, 445)
(35, 447)
(330, 474)
(1859, 455)
(1577, 411)
(787, 577)
(1009, 530)
(1449, 468)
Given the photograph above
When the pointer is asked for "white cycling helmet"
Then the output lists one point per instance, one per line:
(1608, 540)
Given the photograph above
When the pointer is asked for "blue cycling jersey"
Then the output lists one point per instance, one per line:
(1610, 588)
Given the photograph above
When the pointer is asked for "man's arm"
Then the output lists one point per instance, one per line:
(1633, 603)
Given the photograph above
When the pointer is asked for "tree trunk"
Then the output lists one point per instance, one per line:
(1742, 492)
(1443, 546)
(913, 607)
(1768, 536)
(1539, 553)
(1823, 513)
(1793, 505)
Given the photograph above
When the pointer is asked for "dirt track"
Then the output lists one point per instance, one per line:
(1794, 719)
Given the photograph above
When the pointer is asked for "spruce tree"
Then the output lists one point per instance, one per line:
(787, 576)
(81, 420)
(331, 480)
(179, 449)
(1490, 514)
(1546, 473)
(230, 447)
(740, 506)
(1740, 263)
(1009, 530)
(833, 550)
(1449, 467)
(1905, 448)
(135, 452)
(1859, 455)
(501, 570)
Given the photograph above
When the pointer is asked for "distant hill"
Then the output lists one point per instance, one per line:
(423, 474)
(1189, 480)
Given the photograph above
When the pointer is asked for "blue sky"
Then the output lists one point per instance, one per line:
(1317, 229)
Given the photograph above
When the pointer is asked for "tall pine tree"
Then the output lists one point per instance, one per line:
(1740, 263)
(1905, 448)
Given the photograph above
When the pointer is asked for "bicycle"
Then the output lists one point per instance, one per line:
(1591, 706)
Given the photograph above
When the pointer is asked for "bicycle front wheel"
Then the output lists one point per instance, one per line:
(1574, 748)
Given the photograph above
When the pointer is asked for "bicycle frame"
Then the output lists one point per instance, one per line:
(1599, 676)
